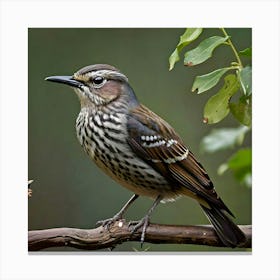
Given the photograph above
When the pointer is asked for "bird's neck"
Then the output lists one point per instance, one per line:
(131, 97)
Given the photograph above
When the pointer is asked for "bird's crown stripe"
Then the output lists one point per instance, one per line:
(108, 73)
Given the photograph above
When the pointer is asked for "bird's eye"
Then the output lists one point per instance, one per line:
(98, 80)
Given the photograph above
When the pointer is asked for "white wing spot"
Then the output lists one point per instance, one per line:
(171, 142)
(179, 158)
(154, 144)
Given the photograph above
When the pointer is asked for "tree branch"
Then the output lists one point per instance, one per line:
(100, 238)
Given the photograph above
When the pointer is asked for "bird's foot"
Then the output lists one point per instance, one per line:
(108, 222)
(138, 224)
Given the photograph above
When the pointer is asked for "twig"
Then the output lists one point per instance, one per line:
(233, 48)
(100, 238)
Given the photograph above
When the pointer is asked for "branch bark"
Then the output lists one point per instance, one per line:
(100, 238)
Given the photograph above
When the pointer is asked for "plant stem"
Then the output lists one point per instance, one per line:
(233, 48)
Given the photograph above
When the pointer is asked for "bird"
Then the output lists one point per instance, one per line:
(141, 151)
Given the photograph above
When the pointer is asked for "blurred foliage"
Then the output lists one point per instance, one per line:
(223, 138)
(241, 165)
(218, 106)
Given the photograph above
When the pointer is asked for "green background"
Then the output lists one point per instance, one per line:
(68, 189)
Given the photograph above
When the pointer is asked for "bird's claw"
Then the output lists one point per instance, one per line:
(138, 224)
(108, 222)
(131, 223)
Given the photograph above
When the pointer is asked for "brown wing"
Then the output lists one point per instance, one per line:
(156, 142)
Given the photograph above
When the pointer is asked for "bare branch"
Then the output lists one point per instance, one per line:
(99, 238)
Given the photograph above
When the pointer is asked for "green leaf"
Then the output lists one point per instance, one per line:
(217, 107)
(207, 81)
(241, 159)
(242, 111)
(223, 138)
(203, 51)
(190, 35)
(246, 80)
(246, 52)
(241, 165)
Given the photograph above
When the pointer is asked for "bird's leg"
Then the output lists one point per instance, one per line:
(106, 223)
(145, 220)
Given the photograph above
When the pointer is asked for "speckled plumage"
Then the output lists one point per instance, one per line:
(139, 149)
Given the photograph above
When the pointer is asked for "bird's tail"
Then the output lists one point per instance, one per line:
(229, 233)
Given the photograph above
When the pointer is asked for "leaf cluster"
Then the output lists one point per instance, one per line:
(237, 81)
(240, 163)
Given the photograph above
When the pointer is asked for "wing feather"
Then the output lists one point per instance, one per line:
(156, 142)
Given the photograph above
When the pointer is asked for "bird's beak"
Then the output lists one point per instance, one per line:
(68, 80)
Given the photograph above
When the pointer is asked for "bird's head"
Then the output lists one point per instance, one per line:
(97, 85)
